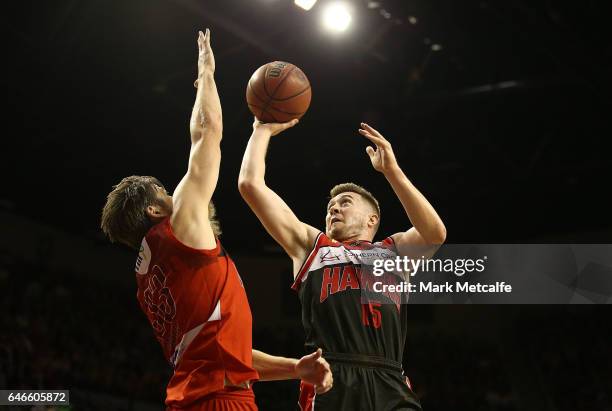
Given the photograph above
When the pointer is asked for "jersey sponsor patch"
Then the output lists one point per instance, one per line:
(327, 256)
(350, 267)
(144, 258)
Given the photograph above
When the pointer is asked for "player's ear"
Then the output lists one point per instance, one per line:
(155, 212)
(373, 220)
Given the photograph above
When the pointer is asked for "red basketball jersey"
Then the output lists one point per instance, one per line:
(198, 308)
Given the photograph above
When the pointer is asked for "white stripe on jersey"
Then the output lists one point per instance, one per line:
(216, 315)
(191, 334)
(144, 258)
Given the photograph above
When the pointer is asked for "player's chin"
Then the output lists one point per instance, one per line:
(339, 233)
(334, 232)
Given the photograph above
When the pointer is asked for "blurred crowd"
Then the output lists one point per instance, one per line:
(61, 330)
(573, 356)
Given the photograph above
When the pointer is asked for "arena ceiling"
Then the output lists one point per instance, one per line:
(497, 110)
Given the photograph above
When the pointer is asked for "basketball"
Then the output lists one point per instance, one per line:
(278, 92)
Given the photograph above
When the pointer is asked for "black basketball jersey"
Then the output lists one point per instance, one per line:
(334, 316)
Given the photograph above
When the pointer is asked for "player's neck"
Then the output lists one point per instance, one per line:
(355, 238)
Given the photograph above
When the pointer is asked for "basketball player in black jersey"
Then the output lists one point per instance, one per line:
(362, 342)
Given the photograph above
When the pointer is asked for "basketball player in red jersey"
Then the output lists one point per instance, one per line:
(364, 343)
(188, 286)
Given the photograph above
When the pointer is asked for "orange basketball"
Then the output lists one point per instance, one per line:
(278, 92)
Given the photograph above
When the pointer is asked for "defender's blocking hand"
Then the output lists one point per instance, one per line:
(206, 57)
(314, 370)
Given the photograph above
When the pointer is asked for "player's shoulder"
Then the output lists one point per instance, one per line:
(166, 236)
(388, 241)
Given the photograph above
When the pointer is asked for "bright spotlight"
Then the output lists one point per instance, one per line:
(337, 17)
(305, 4)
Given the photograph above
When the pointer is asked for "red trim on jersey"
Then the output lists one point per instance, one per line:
(390, 241)
(307, 396)
(306, 264)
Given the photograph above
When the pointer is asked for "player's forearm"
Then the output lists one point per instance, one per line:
(206, 116)
(271, 368)
(421, 213)
(253, 167)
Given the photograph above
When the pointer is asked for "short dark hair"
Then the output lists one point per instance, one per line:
(124, 216)
(355, 188)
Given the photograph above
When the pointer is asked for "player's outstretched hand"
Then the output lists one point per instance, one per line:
(273, 128)
(206, 57)
(315, 370)
(383, 158)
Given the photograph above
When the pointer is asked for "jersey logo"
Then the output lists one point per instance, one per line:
(161, 308)
(339, 255)
(327, 257)
(144, 258)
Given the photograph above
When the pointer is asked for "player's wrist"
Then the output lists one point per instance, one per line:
(262, 131)
(392, 170)
(295, 369)
(205, 73)
(203, 76)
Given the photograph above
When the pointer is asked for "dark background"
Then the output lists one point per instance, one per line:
(504, 129)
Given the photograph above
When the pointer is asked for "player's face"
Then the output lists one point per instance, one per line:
(347, 216)
(165, 199)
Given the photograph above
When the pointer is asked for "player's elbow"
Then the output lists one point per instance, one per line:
(210, 127)
(438, 236)
(214, 125)
(248, 187)
(245, 186)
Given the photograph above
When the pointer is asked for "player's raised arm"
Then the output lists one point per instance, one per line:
(281, 223)
(190, 219)
(427, 227)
